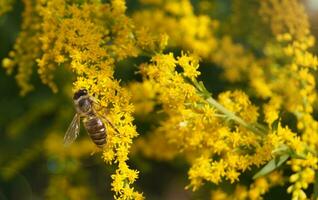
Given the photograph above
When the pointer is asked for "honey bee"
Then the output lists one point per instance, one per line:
(93, 123)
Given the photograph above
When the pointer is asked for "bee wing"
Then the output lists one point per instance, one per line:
(72, 131)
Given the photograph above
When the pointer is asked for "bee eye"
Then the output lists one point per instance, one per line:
(79, 93)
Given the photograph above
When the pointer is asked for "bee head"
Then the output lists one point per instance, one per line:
(79, 93)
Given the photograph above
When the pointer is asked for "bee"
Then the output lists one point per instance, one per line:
(92, 122)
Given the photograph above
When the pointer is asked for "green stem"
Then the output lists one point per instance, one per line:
(235, 118)
(256, 128)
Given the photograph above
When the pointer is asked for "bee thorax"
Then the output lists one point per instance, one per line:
(84, 105)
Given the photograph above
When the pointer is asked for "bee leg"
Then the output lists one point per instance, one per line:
(93, 152)
(111, 124)
(97, 103)
(96, 150)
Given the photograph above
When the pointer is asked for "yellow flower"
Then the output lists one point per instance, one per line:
(189, 65)
(232, 175)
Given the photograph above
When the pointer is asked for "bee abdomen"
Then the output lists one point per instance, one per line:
(97, 130)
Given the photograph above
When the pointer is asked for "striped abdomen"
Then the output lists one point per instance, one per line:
(96, 129)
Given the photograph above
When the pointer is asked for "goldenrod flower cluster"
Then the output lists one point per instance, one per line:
(222, 136)
(74, 35)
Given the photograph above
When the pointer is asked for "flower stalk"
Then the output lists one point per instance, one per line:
(255, 128)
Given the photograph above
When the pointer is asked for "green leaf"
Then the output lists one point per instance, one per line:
(275, 124)
(271, 166)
